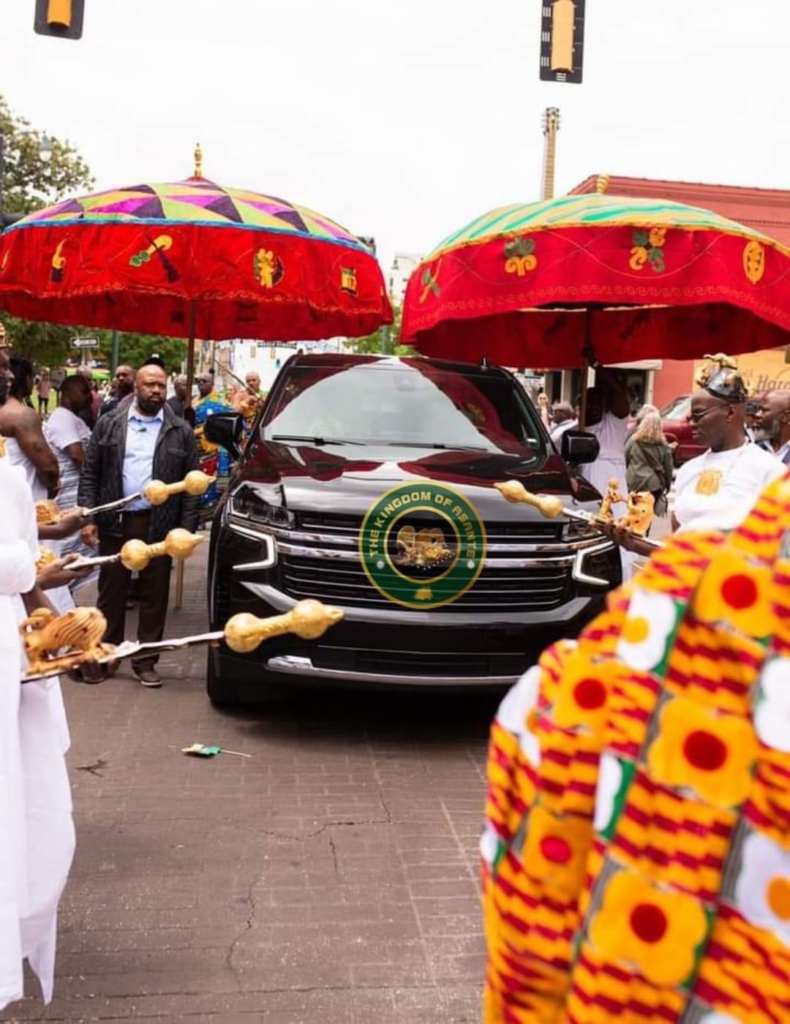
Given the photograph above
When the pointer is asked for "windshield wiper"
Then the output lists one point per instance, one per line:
(437, 444)
(317, 441)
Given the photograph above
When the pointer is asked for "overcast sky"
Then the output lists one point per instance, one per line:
(406, 120)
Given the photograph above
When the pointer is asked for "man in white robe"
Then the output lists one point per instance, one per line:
(606, 416)
(36, 827)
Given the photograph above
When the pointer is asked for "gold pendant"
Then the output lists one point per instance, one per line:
(709, 481)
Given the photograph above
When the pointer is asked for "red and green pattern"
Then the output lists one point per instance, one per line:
(636, 855)
(530, 285)
(192, 257)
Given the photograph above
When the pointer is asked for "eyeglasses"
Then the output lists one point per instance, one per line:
(695, 417)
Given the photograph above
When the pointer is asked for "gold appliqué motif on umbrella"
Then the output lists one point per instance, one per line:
(648, 249)
(754, 261)
(520, 256)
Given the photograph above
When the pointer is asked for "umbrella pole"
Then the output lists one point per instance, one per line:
(190, 381)
(588, 350)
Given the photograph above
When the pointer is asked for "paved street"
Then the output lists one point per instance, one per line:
(330, 877)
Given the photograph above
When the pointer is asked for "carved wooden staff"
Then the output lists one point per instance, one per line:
(55, 645)
(551, 507)
(155, 493)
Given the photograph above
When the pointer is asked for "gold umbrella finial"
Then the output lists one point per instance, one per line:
(198, 161)
(602, 184)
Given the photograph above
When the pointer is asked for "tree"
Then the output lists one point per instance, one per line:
(384, 341)
(134, 349)
(33, 179)
(50, 344)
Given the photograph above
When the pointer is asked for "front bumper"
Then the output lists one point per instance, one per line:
(389, 647)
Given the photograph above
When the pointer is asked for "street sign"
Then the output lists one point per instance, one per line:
(84, 342)
(562, 41)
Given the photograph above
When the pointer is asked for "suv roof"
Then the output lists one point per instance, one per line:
(348, 359)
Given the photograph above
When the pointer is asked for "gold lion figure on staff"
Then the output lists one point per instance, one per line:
(78, 634)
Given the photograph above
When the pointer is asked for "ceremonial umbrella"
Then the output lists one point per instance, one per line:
(544, 284)
(192, 259)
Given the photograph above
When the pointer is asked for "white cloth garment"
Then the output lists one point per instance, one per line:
(559, 430)
(18, 458)
(735, 477)
(36, 827)
(63, 429)
(610, 465)
(61, 598)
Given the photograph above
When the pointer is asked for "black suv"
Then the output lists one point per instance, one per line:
(368, 483)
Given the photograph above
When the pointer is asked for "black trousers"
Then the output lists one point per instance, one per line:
(154, 589)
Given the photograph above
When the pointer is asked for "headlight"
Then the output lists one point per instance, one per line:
(577, 529)
(246, 506)
(598, 566)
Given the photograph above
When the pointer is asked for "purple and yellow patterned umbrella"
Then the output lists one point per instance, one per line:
(192, 258)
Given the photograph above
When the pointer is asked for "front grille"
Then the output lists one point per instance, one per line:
(344, 582)
(346, 528)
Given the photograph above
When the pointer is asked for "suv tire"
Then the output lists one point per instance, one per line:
(222, 691)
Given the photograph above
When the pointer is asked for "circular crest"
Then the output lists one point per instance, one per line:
(422, 544)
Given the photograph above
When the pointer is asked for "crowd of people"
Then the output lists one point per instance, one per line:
(92, 449)
(99, 445)
(633, 721)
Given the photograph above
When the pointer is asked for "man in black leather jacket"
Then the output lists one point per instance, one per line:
(139, 442)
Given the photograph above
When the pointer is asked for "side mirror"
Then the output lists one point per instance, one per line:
(578, 446)
(226, 429)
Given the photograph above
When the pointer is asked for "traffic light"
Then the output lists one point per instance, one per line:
(60, 18)
(562, 41)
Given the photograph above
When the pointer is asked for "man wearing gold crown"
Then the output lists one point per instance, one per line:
(715, 490)
(36, 828)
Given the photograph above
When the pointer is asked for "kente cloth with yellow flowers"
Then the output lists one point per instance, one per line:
(636, 855)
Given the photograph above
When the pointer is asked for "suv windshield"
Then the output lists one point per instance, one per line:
(408, 402)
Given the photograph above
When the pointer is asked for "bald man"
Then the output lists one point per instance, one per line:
(139, 442)
(772, 419)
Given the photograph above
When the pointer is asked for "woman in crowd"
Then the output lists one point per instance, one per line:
(44, 391)
(648, 461)
(68, 436)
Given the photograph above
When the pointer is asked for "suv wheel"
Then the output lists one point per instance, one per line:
(222, 691)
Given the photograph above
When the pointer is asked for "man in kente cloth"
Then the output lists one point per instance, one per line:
(636, 853)
(36, 827)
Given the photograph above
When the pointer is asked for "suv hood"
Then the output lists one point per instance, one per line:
(348, 479)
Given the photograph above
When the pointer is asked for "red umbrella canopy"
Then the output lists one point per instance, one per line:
(637, 278)
(192, 258)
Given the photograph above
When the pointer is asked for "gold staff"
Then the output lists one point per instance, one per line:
(55, 645)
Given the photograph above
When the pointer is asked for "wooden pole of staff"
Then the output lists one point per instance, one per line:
(190, 382)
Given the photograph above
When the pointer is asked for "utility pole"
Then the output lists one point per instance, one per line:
(551, 125)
